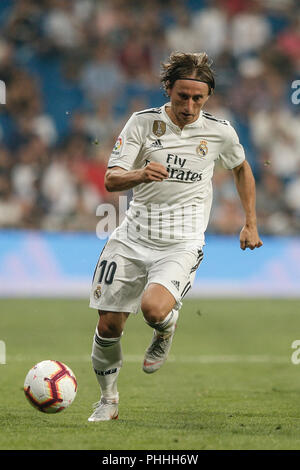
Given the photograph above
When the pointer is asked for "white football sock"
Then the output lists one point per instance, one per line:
(107, 361)
(167, 325)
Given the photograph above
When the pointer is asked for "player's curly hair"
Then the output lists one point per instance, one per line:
(182, 65)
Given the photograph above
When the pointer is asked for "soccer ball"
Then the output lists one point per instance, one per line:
(50, 386)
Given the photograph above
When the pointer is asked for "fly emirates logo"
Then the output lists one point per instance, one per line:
(177, 170)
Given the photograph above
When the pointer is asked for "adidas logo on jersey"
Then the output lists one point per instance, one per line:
(176, 284)
(157, 144)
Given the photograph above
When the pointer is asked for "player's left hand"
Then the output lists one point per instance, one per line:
(249, 238)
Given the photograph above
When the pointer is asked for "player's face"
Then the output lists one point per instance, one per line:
(187, 99)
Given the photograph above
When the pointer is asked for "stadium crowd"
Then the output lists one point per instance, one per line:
(75, 70)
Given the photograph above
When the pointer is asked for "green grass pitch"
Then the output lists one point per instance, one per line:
(229, 382)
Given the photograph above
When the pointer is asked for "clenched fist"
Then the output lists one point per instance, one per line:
(153, 171)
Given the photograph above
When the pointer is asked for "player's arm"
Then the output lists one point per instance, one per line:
(119, 179)
(245, 184)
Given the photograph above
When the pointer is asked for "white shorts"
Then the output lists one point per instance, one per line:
(126, 268)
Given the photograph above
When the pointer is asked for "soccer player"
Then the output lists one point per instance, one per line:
(167, 156)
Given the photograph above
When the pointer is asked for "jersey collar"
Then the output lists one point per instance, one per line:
(196, 123)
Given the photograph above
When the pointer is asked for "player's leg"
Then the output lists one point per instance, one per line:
(169, 279)
(107, 358)
(107, 361)
(118, 283)
(158, 307)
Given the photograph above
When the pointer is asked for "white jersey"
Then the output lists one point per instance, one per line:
(176, 209)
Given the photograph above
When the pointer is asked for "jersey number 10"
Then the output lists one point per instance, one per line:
(107, 271)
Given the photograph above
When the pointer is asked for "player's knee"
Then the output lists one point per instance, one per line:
(108, 329)
(152, 312)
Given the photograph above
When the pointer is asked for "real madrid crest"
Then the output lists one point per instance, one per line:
(97, 292)
(202, 148)
(159, 128)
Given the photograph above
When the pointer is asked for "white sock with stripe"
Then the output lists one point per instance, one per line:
(167, 325)
(107, 360)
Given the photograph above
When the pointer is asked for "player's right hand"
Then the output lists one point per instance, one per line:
(154, 171)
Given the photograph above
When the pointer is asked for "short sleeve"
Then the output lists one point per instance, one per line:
(127, 146)
(232, 153)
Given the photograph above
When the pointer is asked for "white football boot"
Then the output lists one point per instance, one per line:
(159, 348)
(105, 410)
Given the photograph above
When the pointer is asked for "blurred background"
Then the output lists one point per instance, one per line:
(74, 72)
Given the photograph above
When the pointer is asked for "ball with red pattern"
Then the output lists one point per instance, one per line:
(50, 386)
